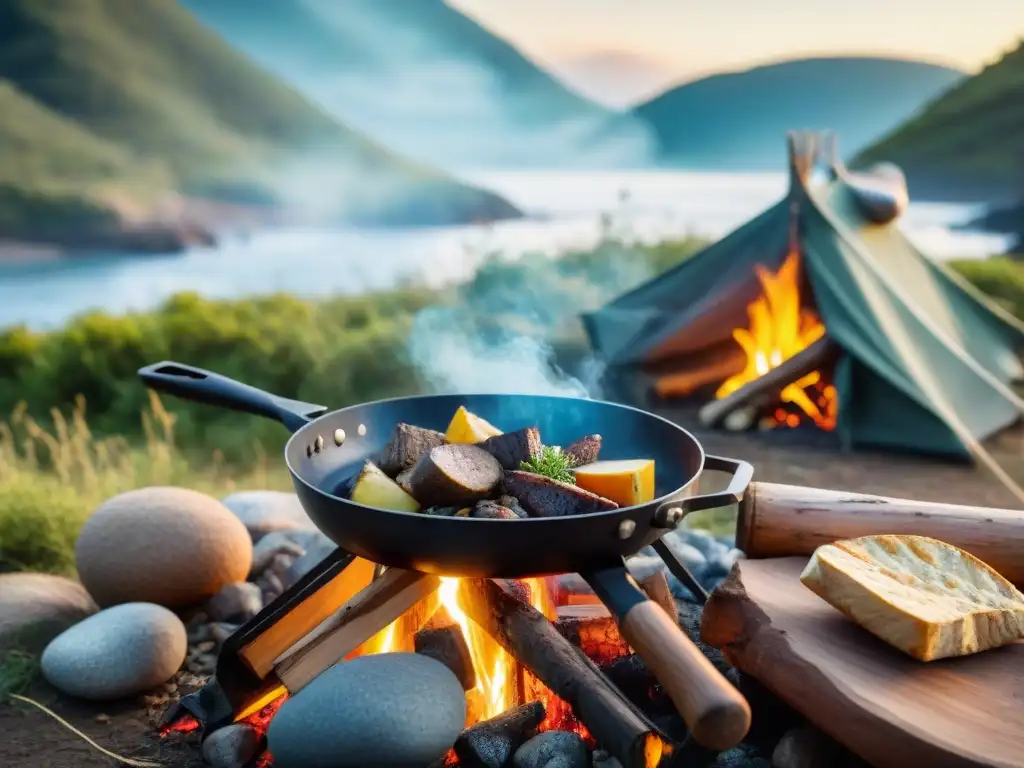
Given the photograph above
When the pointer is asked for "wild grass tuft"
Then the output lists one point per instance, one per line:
(52, 479)
(18, 670)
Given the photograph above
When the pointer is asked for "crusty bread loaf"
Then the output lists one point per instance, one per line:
(927, 598)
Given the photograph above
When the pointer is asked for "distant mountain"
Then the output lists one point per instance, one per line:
(738, 121)
(427, 80)
(109, 107)
(967, 144)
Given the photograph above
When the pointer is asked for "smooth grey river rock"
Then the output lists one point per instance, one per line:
(119, 652)
(557, 749)
(401, 710)
(36, 607)
(263, 512)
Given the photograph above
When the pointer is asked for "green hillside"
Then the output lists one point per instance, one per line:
(967, 144)
(738, 120)
(118, 92)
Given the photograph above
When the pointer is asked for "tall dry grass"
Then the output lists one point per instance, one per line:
(52, 479)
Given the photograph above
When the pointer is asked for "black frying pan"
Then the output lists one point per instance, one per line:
(326, 450)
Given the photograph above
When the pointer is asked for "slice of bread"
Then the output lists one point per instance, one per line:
(923, 596)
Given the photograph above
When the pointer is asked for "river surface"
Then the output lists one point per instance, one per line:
(566, 211)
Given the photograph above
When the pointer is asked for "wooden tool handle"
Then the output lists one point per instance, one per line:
(716, 713)
(785, 520)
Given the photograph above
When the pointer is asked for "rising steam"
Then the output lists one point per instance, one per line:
(502, 334)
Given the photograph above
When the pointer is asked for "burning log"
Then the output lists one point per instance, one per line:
(362, 617)
(657, 589)
(298, 621)
(448, 645)
(592, 629)
(770, 384)
(571, 589)
(724, 364)
(537, 645)
(491, 743)
(637, 683)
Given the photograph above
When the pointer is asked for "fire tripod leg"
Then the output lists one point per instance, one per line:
(680, 571)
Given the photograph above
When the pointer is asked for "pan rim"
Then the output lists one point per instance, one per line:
(626, 511)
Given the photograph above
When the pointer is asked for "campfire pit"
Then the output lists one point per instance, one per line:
(527, 664)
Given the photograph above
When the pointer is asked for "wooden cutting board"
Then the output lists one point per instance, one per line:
(892, 710)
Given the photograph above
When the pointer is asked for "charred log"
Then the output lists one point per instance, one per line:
(448, 645)
(592, 629)
(535, 642)
(771, 384)
(637, 683)
(491, 743)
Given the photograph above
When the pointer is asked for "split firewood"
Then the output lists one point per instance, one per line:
(492, 743)
(492, 510)
(455, 474)
(407, 445)
(592, 629)
(543, 497)
(657, 589)
(585, 450)
(513, 448)
(448, 645)
(371, 610)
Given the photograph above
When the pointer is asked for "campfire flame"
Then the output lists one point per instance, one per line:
(501, 682)
(779, 329)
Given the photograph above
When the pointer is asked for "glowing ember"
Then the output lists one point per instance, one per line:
(184, 724)
(779, 329)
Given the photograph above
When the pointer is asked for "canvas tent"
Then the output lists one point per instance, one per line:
(928, 364)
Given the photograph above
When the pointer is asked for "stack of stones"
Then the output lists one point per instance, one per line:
(168, 574)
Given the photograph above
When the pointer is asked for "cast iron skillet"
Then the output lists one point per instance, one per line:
(326, 450)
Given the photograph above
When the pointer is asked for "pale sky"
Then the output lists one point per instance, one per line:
(628, 48)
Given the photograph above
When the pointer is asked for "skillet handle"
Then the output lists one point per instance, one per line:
(197, 385)
(717, 714)
(671, 511)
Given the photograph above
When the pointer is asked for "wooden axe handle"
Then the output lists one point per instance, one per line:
(785, 520)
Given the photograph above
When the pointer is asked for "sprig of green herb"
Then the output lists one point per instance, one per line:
(551, 462)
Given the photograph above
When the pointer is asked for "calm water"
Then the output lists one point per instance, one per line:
(565, 213)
